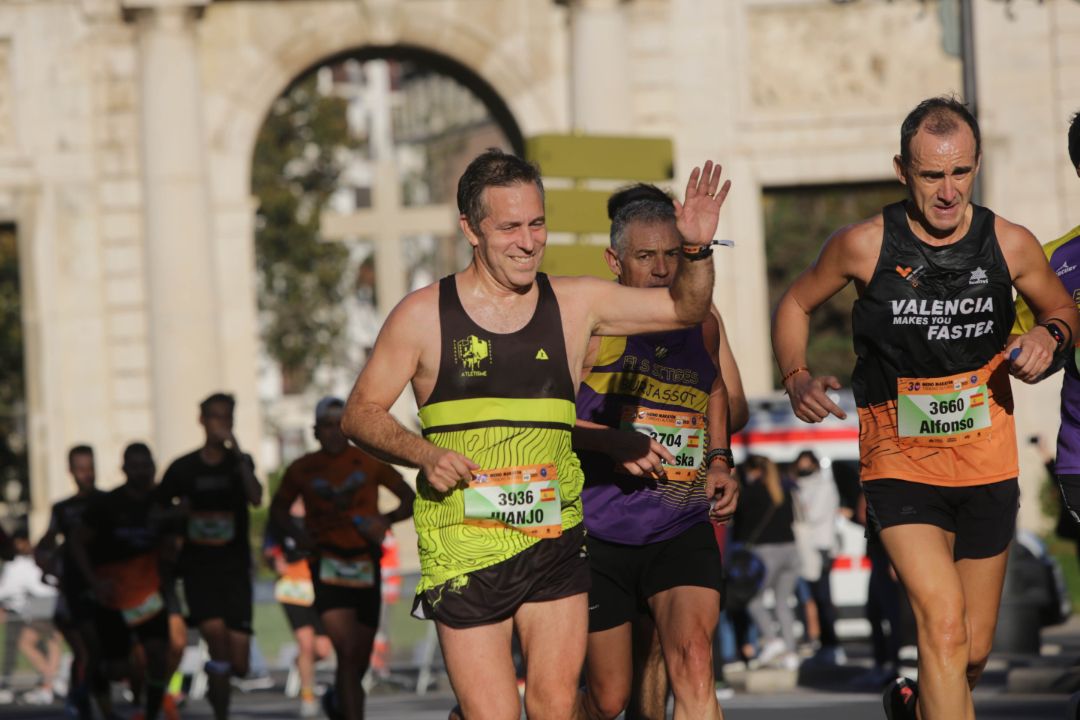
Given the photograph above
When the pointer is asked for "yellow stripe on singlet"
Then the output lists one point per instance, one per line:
(648, 388)
(483, 410)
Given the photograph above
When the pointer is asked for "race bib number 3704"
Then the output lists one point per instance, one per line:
(525, 498)
(682, 433)
(946, 411)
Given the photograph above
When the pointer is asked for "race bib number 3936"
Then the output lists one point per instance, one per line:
(525, 498)
(946, 411)
(682, 433)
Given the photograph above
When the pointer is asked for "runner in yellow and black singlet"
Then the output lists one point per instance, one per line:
(494, 354)
(938, 447)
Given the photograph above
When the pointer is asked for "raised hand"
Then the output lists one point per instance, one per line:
(697, 216)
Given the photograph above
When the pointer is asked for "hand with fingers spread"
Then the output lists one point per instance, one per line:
(638, 454)
(722, 491)
(1033, 351)
(697, 216)
(809, 398)
(447, 469)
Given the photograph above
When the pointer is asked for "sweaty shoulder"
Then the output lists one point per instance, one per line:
(854, 249)
(417, 311)
(1017, 244)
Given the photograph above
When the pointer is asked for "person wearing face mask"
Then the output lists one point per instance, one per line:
(819, 504)
(763, 519)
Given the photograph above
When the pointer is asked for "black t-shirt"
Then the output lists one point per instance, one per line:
(124, 526)
(217, 528)
(754, 505)
(66, 516)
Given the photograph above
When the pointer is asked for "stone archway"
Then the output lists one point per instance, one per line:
(251, 52)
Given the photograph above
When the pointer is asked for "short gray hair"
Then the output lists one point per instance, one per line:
(647, 211)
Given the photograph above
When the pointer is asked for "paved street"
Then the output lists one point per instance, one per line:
(265, 705)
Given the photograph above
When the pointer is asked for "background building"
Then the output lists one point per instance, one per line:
(128, 130)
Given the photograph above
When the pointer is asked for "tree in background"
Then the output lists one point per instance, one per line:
(300, 152)
(797, 223)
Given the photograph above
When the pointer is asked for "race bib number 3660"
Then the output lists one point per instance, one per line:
(525, 498)
(947, 411)
(682, 433)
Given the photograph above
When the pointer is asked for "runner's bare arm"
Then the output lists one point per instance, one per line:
(634, 452)
(1048, 299)
(280, 505)
(394, 362)
(45, 550)
(842, 259)
(721, 488)
(738, 411)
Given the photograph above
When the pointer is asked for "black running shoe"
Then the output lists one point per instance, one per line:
(899, 699)
(330, 706)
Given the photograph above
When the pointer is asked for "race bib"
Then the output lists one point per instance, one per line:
(682, 433)
(525, 498)
(352, 573)
(947, 411)
(211, 528)
(290, 591)
(145, 610)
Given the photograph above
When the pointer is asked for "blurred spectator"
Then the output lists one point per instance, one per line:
(24, 594)
(74, 608)
(764, 519)
(819, 505)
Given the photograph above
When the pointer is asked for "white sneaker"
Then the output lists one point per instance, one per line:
(724, 691)
(7, 696)
(788, 661)
(309, 708)
(37, 696)
(771, 650)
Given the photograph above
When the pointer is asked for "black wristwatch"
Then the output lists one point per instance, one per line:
(724, 453)
(1055, 332)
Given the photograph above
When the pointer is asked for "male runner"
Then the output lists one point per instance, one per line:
(653, 441)
(494, 355)
(74, 608)
(118, 548)
(938, 446)
(1063, 255)
(344, 530)
(214, 485)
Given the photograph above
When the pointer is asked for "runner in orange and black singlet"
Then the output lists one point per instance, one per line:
(344, 530)
(119, 547)
(937, 441)
(935, 404)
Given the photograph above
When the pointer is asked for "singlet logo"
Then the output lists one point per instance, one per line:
(978, 277)
(912, 276)
(541, 355)
(1065, 269)
(1076, 296)
(661, 352)
(474, 355)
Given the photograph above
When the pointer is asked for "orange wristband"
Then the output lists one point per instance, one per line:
(792, 373)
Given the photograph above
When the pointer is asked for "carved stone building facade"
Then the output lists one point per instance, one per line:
(127, 129)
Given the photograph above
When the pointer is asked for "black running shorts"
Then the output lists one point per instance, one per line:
(116, 638)
(300, 616)
(549, 570)
(983, 517)
(366, 601)
(624, 577)
(219, 593)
